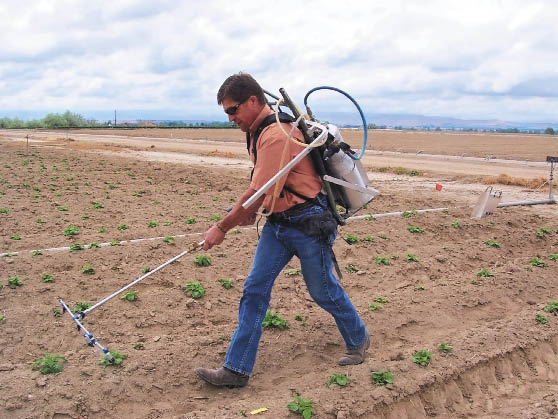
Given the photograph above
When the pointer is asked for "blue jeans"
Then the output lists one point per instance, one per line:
(276, 247)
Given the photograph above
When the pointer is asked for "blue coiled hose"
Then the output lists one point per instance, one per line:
(364, 141)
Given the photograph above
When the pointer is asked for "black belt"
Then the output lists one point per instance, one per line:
(294, 210)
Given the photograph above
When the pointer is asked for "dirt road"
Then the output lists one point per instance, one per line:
(226, 143)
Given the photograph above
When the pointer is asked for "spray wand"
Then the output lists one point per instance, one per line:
(77, 317)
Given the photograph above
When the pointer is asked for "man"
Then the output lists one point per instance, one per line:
(295, 201)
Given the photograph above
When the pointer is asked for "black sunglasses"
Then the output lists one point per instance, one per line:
(231, 110)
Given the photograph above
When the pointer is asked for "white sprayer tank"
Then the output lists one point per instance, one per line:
(343, 167)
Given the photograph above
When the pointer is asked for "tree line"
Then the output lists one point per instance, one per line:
(547, 131)
(51, 121)
(74, 120)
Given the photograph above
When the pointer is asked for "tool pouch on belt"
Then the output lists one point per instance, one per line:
(318, 225)
(321, 225)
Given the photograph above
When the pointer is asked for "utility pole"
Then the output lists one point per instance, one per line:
(115, 118)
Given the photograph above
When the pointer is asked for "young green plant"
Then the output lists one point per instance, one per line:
(422, 358)
(485, 273)
(88, 270)
(293, 272)
(541, 319)
(130, 296)
(338, 378)
(537, 262)
(195, 288)
(14, 281)
(303, 407)
(411, 257)
(551, 307)
(71, 231)
(381, 378)
(351, 268)
(202, 260)
(76, 247)
(47, 278)
(415, 229)
(492, 243)
(444, 347)
(49, 363)
(375, 306)
(117, 357)
(226, 283)
(81, 306)
(381, 260)
(274, 320)
(351, 238)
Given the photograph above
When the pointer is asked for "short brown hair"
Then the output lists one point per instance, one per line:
(239, 87)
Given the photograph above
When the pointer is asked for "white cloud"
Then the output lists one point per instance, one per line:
(454, 58)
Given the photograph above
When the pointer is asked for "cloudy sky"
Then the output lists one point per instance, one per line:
(485, 59)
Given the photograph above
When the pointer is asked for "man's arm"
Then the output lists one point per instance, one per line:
(237, 216)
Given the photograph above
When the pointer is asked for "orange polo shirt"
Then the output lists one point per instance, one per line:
(302, 178)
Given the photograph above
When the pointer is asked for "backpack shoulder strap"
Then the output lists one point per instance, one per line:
(270, 119)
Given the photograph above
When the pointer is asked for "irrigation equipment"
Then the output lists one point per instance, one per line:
(487, 203)
(77, 317)
(490, 199)
(552, 160)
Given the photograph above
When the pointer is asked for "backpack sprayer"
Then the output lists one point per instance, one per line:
(345, 181)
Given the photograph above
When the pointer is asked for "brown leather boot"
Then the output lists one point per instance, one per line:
(355, 356)
(222, 377)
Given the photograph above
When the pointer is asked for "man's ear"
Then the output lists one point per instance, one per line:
(253, 100)
(253, 104)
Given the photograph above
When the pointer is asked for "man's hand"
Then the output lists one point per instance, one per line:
(237, 216)
(213, 237)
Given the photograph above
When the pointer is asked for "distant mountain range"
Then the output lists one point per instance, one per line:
(403, 121)
(430, 122)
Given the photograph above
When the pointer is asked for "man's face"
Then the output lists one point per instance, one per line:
(245, 112)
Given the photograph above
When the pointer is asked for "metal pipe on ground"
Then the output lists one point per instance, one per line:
(422, 211)
(536, 202)
(393, 214)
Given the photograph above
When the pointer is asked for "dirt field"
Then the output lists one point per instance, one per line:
(115, 190)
